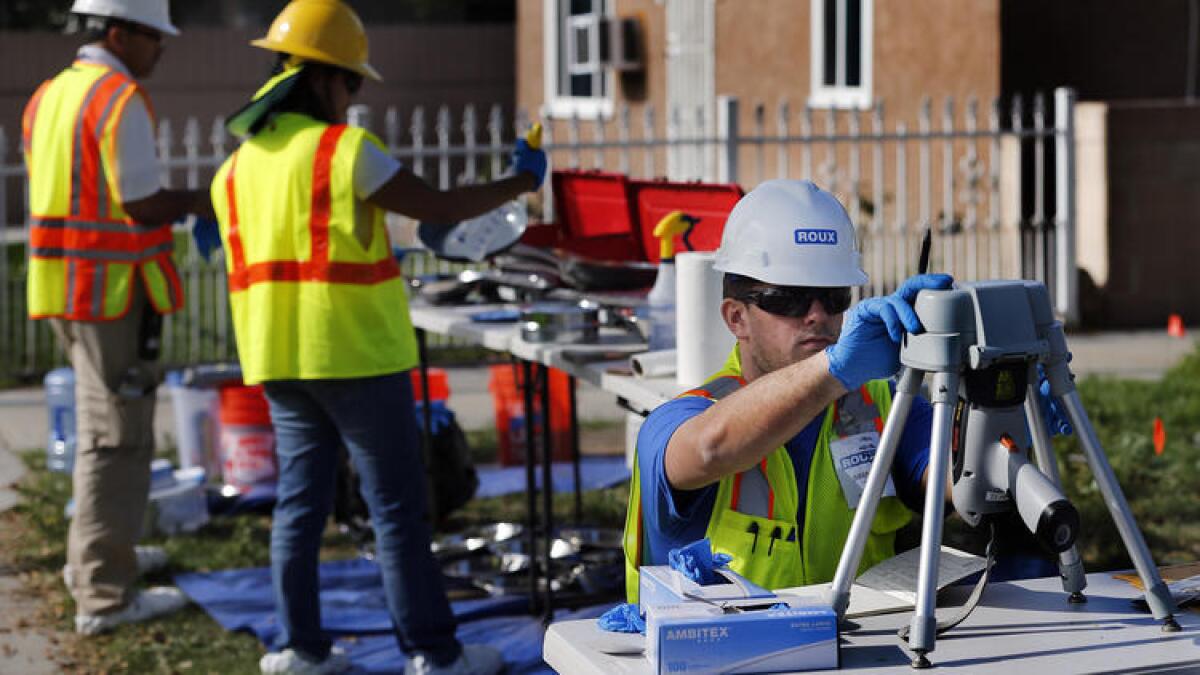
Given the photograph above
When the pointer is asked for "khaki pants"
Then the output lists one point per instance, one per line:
(112, 462)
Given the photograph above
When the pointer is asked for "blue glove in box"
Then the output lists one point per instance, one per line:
(662, 585)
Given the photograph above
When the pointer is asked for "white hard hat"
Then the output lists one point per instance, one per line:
(153, 13)
(791, 233)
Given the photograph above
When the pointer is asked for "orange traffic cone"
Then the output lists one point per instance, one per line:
(1160, 436)
(1175, 326)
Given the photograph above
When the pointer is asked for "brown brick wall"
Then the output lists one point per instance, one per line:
(530, 83)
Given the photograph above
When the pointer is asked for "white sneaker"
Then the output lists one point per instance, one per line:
(474, 660)
(291, 662)
(147, 604)
(149, 559)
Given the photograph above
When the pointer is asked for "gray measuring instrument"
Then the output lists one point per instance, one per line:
(982, 344)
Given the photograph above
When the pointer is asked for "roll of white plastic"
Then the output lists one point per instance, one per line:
(654, 364)
(703, 341)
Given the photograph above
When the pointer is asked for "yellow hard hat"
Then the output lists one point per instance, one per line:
(327, 31)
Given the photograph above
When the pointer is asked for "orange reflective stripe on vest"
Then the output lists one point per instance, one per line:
(58, 237)
(318, 267)
(29, 115)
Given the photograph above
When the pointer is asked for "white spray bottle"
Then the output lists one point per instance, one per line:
(661, 300)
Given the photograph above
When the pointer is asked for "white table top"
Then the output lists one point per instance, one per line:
(603, 364)
(1025, 627)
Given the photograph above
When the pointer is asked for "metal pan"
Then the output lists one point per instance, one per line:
(561, 323)
(607, 275)
(585, 538)
(476, 239)
(474, 539)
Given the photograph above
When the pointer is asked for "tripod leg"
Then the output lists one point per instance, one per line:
(1157, 595)
(860, 527)
(922, 630)
(1070, 565)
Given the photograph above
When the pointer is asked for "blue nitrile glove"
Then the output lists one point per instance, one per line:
(697, 561)
(1056, 421)
(869, 347)
(207, 236)
(440, 416)
(529, 160)
(624, 618)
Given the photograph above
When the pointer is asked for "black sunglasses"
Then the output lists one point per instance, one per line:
(795, 301)
(144, 31)
(353, 82)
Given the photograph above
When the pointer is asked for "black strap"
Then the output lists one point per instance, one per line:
(973, 600)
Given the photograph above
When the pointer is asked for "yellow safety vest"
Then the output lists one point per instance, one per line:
(308, 300)
(754, 515)
(83, 248)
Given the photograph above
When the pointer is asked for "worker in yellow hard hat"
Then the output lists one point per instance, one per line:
(321, 319)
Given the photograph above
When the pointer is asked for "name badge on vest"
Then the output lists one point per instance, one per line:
(853, 457)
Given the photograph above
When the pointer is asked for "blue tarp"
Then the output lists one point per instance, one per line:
(595, 473)
(353, 610)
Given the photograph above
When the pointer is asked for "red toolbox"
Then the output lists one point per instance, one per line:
(608, 216)
(710, 202)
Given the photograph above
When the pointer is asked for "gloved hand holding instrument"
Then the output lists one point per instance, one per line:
(869, 347)
(483, 236)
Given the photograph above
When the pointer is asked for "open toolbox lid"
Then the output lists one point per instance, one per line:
(710, 202)
(607, 216)
(592, 203)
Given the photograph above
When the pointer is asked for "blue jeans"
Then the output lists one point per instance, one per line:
(374, 418)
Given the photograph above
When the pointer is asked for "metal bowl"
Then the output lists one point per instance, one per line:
(584, 538)
(518, 584)
(601, 571)
(474, 539)
(473, 567)
(514, 549)
(562, 323)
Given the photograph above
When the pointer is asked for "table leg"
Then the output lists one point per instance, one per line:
(530, 484)
(575, 451)
(426, 413)
(547, 491)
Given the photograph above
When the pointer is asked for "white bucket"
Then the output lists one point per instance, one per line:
(248, 457)
(197, 425)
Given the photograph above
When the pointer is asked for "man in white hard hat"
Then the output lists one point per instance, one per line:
(101, 271)
(767, 457)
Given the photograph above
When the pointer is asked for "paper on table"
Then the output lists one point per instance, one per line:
(897, 576)
(1184, 592)
(1168, 573)
(891, 585)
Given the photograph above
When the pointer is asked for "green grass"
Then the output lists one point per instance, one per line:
(33, 541)
(1162, 488)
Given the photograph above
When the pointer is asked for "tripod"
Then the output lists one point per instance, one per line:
(981, 345)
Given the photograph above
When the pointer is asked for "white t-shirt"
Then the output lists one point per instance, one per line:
(372, 169)
(139, 171)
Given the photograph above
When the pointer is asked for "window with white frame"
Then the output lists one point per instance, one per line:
(577, 82)
(841, 53)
